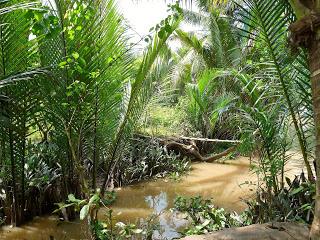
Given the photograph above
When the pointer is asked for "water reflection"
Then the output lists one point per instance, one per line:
(135, 203)
(211, 180)
(158, 203)
(170, 223)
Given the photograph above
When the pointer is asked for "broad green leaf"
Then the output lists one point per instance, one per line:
(75, 55)
(84, 212)
(94, 198)
(72, 198)
(297, 190)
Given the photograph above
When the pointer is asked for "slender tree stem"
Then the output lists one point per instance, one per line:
(314, 63)
(14, 184)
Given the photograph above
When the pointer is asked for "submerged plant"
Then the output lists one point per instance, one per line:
(205, 217)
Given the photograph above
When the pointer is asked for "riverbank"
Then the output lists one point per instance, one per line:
(226, 183)
(268, 231)
(221, 182)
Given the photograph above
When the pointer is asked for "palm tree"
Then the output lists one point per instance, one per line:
(305, 30)
(89, 55)
(86, 104)
(216, 47)
(273, 18)
(17, 61)
(305, 33)
(137, 97)
(217, 44)
(271, 32)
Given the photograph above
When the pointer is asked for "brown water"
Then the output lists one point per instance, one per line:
(224, 183)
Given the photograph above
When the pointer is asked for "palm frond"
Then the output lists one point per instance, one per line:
(192, 41)
(269, 23)
(137, 96)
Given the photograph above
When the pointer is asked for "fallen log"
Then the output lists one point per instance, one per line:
(219, 155)
(192, 139)
(183, 149)
(191, 149)
(210, 140)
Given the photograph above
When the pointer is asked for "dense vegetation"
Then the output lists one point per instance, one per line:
(74, 93)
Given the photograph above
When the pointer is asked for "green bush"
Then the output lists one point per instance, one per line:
(107, 228)
(162, 120)
(205, 217)
(148, 158)
(293, 203)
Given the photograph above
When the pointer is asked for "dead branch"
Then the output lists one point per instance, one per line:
(191, 149)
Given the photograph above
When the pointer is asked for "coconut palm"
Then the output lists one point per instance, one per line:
(85, 99)
(215, 47)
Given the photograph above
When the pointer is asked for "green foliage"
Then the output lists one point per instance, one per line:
(207, 105)
(205, 217)
(40, 170)
(210, 94)
(219, 47)
(148, 158)
(137, 97)
(266, 133)
(72, 92)
(86, 102)
(293, 203)
(88, 207)
(165, 121)
(107, 228)
(266, 24)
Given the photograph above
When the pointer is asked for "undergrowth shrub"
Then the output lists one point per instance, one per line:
(142, 230)
(148, 158)
(294, 203)
(42, 182)
(205, 217)
(165, 120)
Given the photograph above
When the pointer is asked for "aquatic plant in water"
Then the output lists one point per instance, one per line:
(205, 217)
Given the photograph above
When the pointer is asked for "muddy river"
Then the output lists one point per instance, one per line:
(227, 184)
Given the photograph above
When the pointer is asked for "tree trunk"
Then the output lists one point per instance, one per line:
(95, 145)
(193, 151)
(314, 63)
(305, 32)
(15, 209)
